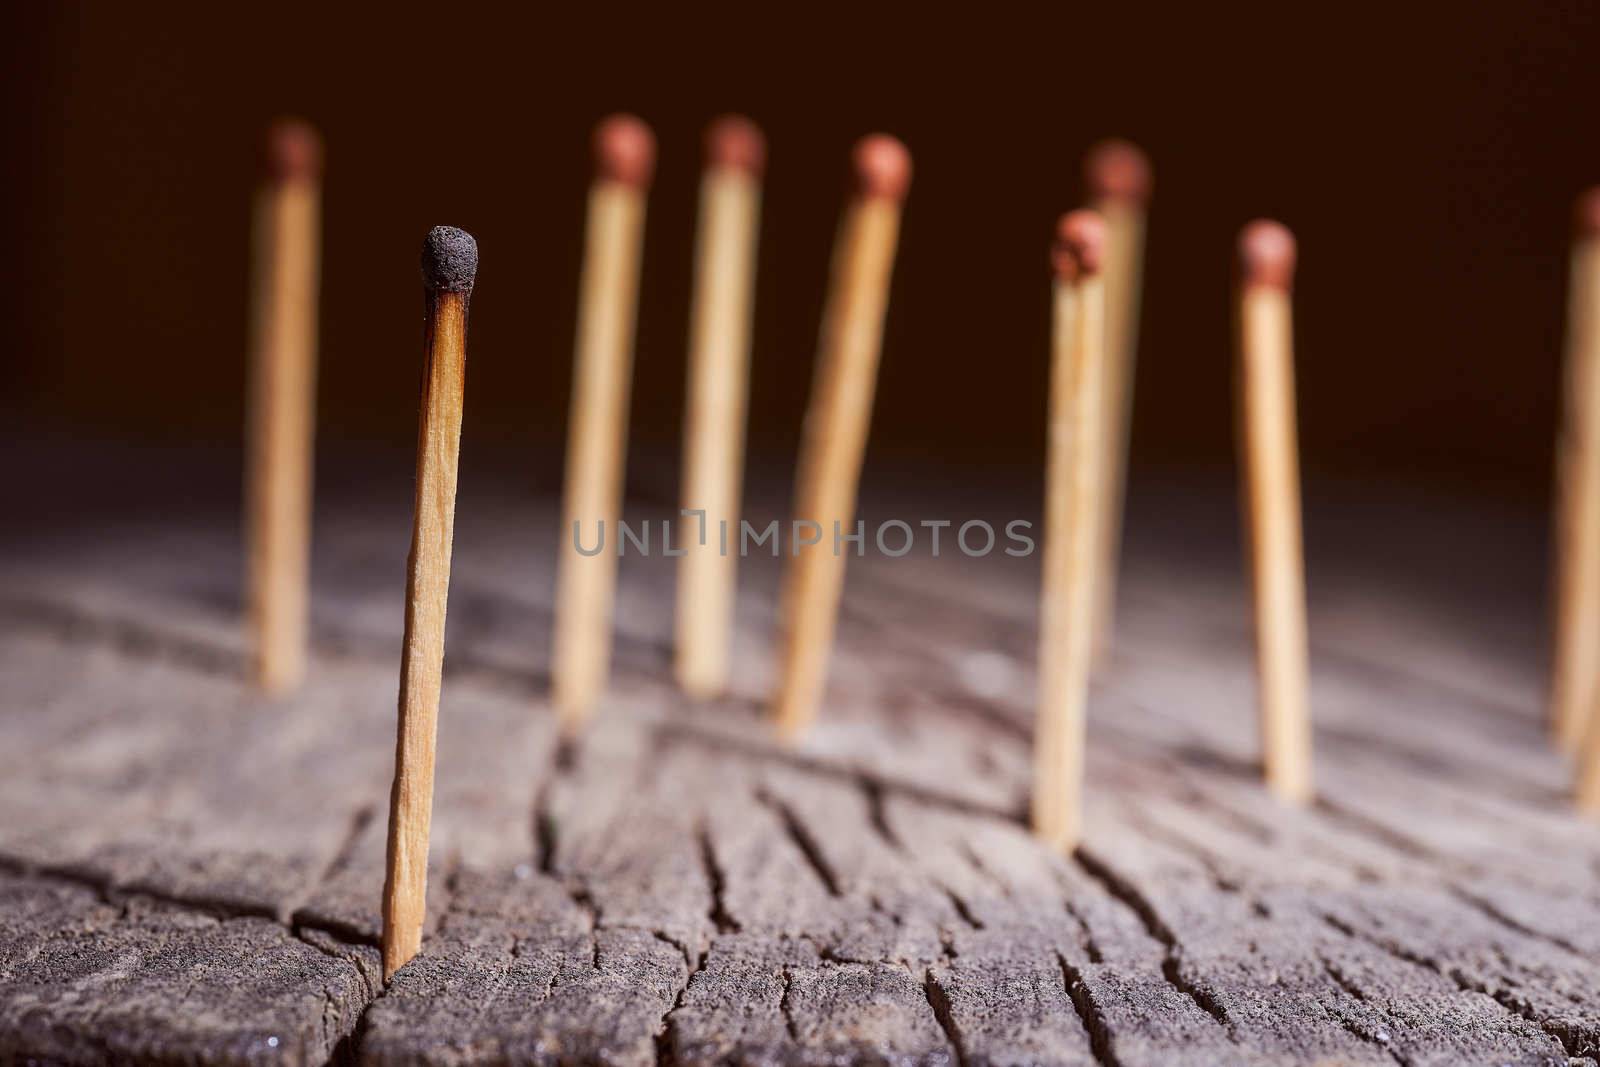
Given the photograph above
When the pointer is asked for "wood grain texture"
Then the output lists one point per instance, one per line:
(190, 870)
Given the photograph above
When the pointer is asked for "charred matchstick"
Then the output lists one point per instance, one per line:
(449, 267)
(1576, 666)
(282, 405)
(1118, 178)
(1272, 488)
(598, 430)
(719, 367)
(836, 423)
(1072, 499)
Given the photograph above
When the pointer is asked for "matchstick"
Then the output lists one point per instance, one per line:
(1117, 174)
(1271, 468)
(719, 366)
(283, 362)
(597, 438)
(1072, 501)
(449, 266)
(1576, 666)
(837, 417)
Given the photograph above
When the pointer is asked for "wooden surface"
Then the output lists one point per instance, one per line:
(192, 872)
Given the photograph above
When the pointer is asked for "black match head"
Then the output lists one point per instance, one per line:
(449, 260)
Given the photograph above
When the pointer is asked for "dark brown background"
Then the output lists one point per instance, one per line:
(1426, 157)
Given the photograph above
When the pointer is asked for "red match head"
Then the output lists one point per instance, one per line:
(735, 142)
(624, 151)
(1080, 246)
(1117, 170)
(1266, 254)
(882, 167)
(1586, 213)
(293, 150)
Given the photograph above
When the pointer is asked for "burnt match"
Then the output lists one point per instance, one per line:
(449, 269)
(1073, 496)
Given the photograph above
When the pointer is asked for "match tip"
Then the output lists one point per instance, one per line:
(449, 260)
(883, 167)
(293, 150)
(1586, 213)
(1080, 245)
(735, 142)
(1266, 254)
(625, 151)
(1118, 170)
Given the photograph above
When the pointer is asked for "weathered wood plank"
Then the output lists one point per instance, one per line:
(1554, 988)
(84, 982)
(674, 886)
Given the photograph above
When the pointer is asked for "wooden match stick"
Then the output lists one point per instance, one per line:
(1118, 177)
(597, 438)
(1576, 667)
(1578, 721)
(449, 266)
(835, 435)
(283, 363)
(1072, 500)
(719, 367)
(1272, 488)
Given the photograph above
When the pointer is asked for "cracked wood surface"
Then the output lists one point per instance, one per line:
(191, 873)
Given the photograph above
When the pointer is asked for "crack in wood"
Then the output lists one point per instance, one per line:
(1124, 891)
(801, 837)
(962, 908)
(132, 638)
(120, 895)
(1089, 1014)
(974, 860)
(687, 730)
(1090, 945)
(1557, 1029)
(1494, 914)
(716, 881)
(544, 833)
(1381, 1038)
(877, 813)
(665, 1056)
(939, 1001)
(786, 1006)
